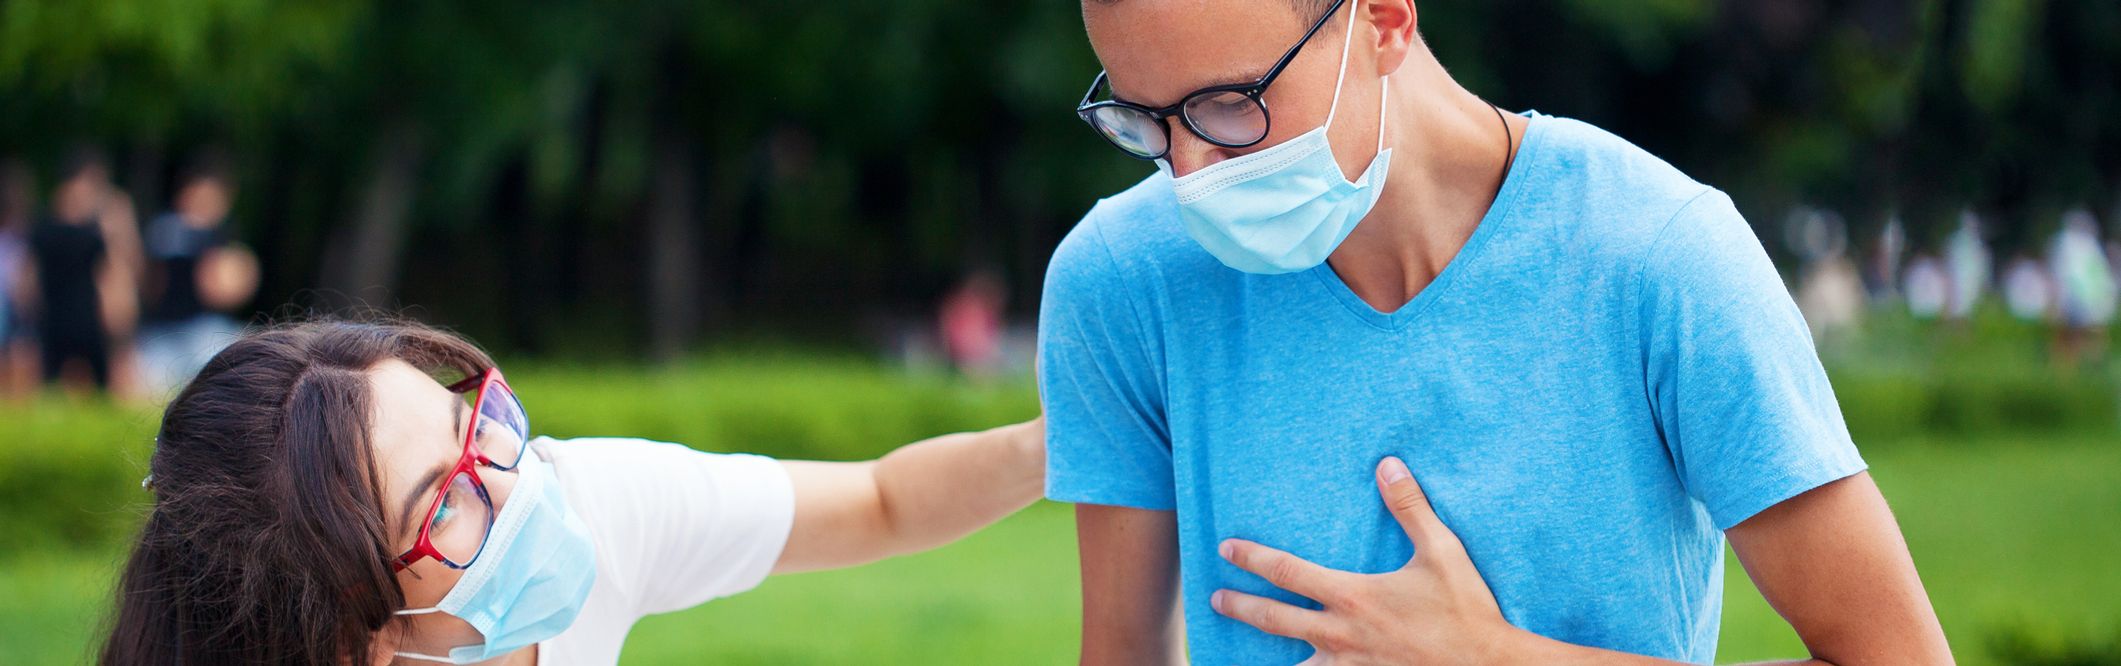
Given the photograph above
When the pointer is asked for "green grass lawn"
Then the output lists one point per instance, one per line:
(2007, 532)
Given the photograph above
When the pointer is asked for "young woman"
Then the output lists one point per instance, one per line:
(335, 493)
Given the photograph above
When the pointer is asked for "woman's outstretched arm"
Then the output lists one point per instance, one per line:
(923, 495)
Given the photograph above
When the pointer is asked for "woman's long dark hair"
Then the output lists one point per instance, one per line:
(266, 543)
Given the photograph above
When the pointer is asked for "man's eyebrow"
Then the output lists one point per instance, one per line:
(1231, 78)
(412, 498)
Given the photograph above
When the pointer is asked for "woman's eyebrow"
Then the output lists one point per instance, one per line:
(412, 498)
(420, 490)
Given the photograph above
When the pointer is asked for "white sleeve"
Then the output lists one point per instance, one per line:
(677, 527)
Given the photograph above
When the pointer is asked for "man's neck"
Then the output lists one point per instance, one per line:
(1449, 151)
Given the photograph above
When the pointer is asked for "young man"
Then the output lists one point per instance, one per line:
(197, 274)
(1583, 355)
(85, 256)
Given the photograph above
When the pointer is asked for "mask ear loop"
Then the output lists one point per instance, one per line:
(1384, 95)
(425, 657)
(1346, 41)
(1384, 92)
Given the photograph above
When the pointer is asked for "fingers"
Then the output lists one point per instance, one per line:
(1285, 571)
(1270, 616)
(1410, 506)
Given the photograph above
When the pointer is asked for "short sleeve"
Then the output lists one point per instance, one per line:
(678, 527)
(1735, 381)
(1100, 381)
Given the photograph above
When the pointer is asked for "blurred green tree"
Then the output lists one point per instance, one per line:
(631, 176)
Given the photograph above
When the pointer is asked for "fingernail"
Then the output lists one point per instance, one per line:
(1392, 471)
(1216, 600)
(1227, 549)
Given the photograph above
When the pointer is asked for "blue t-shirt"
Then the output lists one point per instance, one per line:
(1608, 374)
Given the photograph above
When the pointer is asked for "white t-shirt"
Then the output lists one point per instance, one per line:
(673, 527)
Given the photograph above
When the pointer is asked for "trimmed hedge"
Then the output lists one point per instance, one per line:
(70, 470)
(70, 473)
(784, 405)
(2025, 645)
(1991, 374)
(1955, 401)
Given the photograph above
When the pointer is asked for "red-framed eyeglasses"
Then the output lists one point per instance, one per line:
(456, 523)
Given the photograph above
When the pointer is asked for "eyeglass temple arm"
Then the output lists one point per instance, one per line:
(1092, 92)
(1291, 54)
(469, 383)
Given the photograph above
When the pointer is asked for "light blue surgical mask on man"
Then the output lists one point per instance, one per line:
(533, 577)
(1286, 208)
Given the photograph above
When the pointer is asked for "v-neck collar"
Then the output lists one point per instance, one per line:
(1498, 213)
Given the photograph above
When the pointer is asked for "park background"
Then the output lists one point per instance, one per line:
(729, 224)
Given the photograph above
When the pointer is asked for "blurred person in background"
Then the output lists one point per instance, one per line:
(1881, 267)
(323, 497)
(196, 275)
(2028, 290)
(86, 257)
(2085, 292)
(1969, 264)
(1829, 288)
(971, 326)
(17, 207)
(1928, 287)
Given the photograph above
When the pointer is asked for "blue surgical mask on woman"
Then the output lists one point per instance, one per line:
(533, 577)
(1286, 208)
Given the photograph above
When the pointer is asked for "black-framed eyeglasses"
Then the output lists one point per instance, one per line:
(1231, 116)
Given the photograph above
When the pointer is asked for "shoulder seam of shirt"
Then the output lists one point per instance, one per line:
(1642, 271)
(1657, 241)
(1140, 321)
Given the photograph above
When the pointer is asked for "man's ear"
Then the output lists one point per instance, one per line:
(1397, 33)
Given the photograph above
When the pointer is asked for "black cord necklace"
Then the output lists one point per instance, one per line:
(1509, 144)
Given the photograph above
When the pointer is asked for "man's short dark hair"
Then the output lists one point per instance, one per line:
(81, 159)
(1310, 9)
(208, 164)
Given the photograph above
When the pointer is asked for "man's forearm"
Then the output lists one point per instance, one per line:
(1130, 585)
(1107, 639)
(1545, 650)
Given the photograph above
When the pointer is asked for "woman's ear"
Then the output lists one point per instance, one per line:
(1397, 33)
(383, 644)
